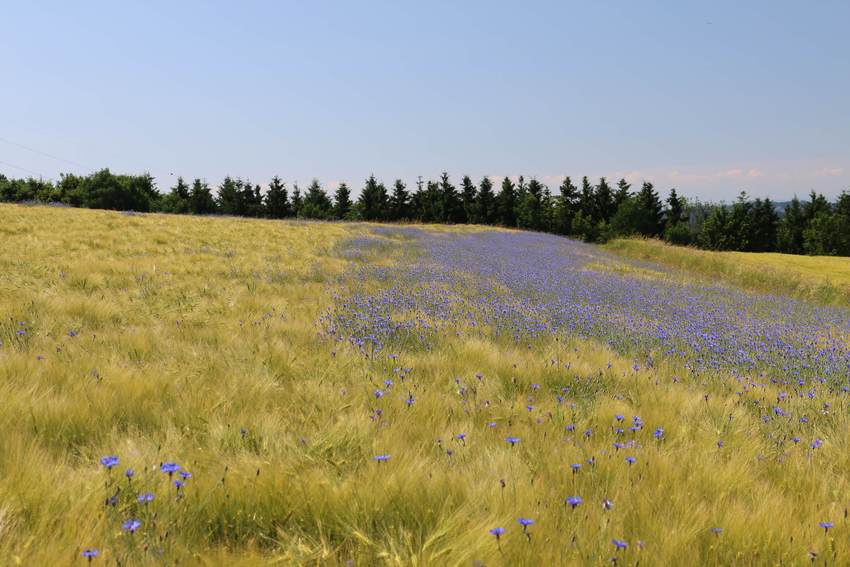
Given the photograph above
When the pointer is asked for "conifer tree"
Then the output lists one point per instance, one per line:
(230, 200)
(567, 207)
(177, 201)
(507, 203)
(297, 200)
(486, 210)
(604, 204)
(623, 192)
(342, 202)
(317, 204)
(469, 194)
(650, 208)
(373, 201)
(789, 237)
(277, 199)
(201, 201)
(451, 209)
(399, 202)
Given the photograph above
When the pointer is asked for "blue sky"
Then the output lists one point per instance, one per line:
(709, 97)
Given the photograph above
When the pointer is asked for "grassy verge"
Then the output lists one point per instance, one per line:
(824, 279)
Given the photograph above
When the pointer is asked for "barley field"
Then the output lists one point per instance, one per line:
(223, 391)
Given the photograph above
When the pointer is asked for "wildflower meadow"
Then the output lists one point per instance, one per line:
(229, 391)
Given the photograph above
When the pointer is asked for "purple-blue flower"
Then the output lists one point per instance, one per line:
(131, 526)
(573, 501)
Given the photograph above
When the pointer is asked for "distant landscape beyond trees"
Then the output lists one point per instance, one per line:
(594, 212)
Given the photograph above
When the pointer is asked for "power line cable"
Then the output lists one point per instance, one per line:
(26, 169)
(45, 154)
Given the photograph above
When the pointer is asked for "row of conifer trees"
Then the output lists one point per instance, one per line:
(592, 211)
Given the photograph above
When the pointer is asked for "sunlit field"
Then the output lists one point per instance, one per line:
(222, 391)
(825, 279)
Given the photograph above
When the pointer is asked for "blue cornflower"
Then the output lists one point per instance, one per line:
(816, 443)
(497, 532)
(178, 484)
(145, 497)
(381, 458)
(90, 553)
(512, 440)
(620, 544)
(576, 467)
(525, 522)
(460, 436)
(109, 461)
(619, 417)
(72, 333)
(826, 526)
(379, 394)
(129, 473)
(169, 468)
(185, 474)
(131, 525)
(631, 460)
(717, 531)
(573, 501)
(659, 433)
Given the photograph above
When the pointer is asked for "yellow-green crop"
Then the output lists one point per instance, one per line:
(199, 341)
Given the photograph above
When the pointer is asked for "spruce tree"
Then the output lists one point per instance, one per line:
(676, 229)
(201, 201)
(507, 203)
(373, 201)
(587, 202)
(486, 210)
(469, 194)
(739, 230)
(790, 232)
(297, 200)
(714, 234)
(277, 199)
(417, 202)
(399, 202)
(547, 210)
(530, 206)
(252, 199)
(342, 202)
(675, 208)
(816, 204)
(431, 203)
(451, 209)
(604, 204)
(763, 226)
(177, 201)
(317, 204)
(566, 207)
(649, 205)
(623, 192)
(229, 199)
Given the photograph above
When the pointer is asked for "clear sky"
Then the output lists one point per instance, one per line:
(709, 97)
